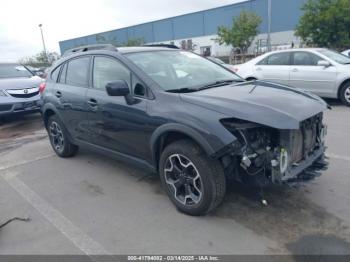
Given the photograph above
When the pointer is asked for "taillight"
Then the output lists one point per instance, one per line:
(42, 87)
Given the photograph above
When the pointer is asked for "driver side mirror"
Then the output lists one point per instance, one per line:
(324, 63)
(118, 88)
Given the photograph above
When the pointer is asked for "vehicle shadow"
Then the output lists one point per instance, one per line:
(289, 218)
(334, 102)
(20, 125)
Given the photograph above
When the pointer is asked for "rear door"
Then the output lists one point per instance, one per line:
(71, 95)
(274, 68)
(306, 74)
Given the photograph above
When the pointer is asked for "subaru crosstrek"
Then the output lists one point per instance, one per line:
(176, 113)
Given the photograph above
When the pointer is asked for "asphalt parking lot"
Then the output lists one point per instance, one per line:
(91, 204)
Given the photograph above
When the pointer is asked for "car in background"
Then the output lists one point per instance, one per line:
(19, 89)
(322, 71)
(346, 52)
(220, 62)
(37, 71)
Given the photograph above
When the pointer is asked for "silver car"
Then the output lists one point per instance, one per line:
(321, 71)
(19, 89)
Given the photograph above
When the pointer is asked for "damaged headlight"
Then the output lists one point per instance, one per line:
(256, 143)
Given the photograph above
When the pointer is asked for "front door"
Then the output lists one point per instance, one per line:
(114, 123)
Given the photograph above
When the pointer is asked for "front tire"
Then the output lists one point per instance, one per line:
(194, 182)
(345, 94)
(59, 138)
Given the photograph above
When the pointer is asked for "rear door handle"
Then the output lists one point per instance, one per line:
(258, 69)
(92, 102)
(295, 70)
(58, 94)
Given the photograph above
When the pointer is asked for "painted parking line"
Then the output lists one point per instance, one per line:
(21, 163)
(81, 240)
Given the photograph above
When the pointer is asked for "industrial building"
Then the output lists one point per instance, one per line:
(198, 31)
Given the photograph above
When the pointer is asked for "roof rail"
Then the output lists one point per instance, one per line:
(162, 45)
(86, 48)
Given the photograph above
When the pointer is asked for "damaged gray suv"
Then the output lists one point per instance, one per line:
(190, 120)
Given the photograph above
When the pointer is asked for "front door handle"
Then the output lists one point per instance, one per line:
(92, 102)
(258, 69)
(58, 94)
(295, 70)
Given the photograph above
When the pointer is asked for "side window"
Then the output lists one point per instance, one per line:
(62, 79)
(305, 59)
(138, 87)
(108, 70)
(54, 74)
(77, 71)
(277, 59)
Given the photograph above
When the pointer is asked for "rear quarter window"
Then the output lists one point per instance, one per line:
(55, 73)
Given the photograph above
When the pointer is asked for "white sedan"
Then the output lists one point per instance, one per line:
(346, 52)
(321, 71)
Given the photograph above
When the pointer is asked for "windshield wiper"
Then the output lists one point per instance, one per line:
(206, 86)
(182, 90)
(219, 83)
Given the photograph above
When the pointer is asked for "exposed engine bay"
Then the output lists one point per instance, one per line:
(266, 155)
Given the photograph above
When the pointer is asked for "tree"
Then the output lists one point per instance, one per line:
(325, 23)
(242, 32)
(40, 59)
(134, 42)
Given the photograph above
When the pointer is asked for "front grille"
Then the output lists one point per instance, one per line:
(5, 107)
(24, 95)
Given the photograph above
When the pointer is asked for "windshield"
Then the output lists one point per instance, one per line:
(174, 70)
(13, 70)
(216, 60)
(335, 56)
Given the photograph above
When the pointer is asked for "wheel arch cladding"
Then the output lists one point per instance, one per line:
(169, 133)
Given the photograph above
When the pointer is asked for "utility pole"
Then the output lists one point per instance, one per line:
(269, 25)
(42, 38)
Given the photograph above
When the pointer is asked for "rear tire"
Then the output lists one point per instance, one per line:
(194, 182)
(345, 94)
(59, 139)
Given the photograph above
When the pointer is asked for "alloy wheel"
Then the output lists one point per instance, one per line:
(347, 94)
(183, 180)
(56, 136)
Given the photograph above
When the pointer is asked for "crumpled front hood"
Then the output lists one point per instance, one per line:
(261, 102)
(20, 82)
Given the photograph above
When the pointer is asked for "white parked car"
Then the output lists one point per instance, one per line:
(321, 71)
(346, 52)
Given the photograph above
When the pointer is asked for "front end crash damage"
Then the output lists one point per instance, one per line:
(263, 155)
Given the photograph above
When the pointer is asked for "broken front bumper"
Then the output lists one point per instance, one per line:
(305, 169)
